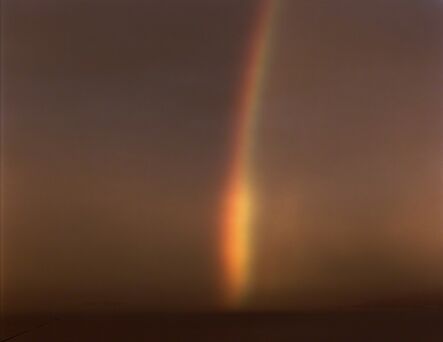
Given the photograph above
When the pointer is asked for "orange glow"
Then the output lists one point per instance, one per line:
(236, 246)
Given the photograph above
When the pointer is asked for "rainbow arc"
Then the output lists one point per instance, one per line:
(238, 205)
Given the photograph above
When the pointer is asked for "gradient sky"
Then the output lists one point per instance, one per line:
(118, 117)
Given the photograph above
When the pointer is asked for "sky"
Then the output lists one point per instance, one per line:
(118, 119)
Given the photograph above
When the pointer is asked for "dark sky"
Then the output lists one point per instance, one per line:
(117, 122)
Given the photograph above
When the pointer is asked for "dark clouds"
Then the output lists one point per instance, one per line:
(118, 117)
(350, 152)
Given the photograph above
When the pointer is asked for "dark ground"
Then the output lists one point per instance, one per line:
(374, 325)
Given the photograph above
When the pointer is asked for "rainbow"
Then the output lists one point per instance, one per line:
(237, 211)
